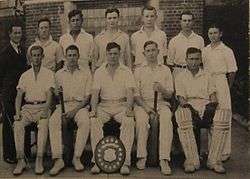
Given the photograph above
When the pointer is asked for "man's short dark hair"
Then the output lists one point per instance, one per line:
(74, 13)
(149, 8)
(187, 13)
(150, 43)
(192, 50)
(43, 19)
(14, 23)
(111, 10)
(112, 45)
(215, 25)
(36, 47)
(72, 47)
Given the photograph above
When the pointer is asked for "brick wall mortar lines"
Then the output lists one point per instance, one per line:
(170, 8)
(173, 8)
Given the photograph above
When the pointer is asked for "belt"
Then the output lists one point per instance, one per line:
(35, 102)
(179, 66)
(113, 100)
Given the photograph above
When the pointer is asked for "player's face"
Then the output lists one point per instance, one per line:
(193, 61)
(16, 34)
(148, 18)
(113, 56)
(75, 23)
(112, 20)
(72, 57)
(214, 34)
(44, 30)
(36, 57)
(186, 22)
(151, 52)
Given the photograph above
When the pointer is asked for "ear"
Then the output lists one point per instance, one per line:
(221, 33)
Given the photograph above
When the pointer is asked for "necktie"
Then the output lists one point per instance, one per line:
(19, 49)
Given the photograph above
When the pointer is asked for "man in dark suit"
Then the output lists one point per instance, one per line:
(12, 64)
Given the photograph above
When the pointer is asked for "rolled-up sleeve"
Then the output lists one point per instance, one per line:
(88, 84)
(97, 81)
(171, 53)
(231, 61)
(168, 80)
(21, 83)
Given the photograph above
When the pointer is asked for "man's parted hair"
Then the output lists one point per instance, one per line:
(36, 47)
(43, 19)
(111, 10)
(72, 47)
(112, 45)
(150, 42)
(215, 25)
(149, 8)
(14, 23)
(74, 13)
(192, 50)
(186, 13)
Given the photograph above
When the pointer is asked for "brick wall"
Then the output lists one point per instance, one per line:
(170, 9)
(33, 12)
(173, 8)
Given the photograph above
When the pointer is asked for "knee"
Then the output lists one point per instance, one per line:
(95, 123)
(18, 125)
(43, 124)
(82, 118)
(141, 117)
(54, 123)
(128, 123)
(165, 115)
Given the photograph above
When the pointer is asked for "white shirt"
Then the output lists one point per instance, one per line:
(219, 60)
(200, 86)
(121, 38)
(75, 86)
(113, 89)
(138, 40)
(84, 42)
(178, 46)
(53, 53)
(15, 46)
(145, 78)
(35, 89)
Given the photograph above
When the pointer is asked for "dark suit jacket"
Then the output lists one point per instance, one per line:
(12, 65)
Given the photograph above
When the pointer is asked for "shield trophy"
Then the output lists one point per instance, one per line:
(110, 154)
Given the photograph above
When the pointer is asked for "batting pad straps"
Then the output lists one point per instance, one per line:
(186, 135)
(221, 125)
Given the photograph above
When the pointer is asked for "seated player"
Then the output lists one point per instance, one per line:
(113, 84)
(35, 85)
(76, 85)
(196, 93)
(151, 77)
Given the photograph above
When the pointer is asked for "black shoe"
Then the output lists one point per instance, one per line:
(10, 161)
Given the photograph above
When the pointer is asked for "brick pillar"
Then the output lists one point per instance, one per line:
(38, 9)
(172, 10)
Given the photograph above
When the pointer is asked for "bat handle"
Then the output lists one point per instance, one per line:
(155, 100)
(61, 99)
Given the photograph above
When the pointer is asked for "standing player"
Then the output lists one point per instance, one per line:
(219, 60)
(148, 31)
